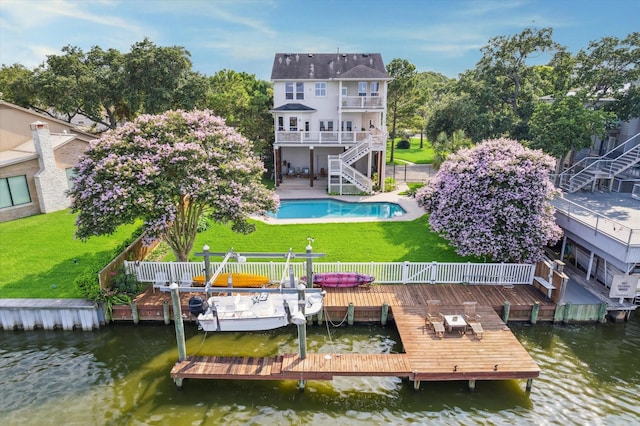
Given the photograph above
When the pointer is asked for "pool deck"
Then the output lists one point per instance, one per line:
(291, 191)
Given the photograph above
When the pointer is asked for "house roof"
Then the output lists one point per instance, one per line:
(328, 66)
(27, 150)
(293, 107)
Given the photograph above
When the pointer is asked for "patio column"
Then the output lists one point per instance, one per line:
(590, 265)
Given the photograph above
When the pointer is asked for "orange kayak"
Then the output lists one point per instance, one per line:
(238, 279)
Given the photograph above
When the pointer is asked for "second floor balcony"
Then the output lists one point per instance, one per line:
(320, 138)
(362, 102)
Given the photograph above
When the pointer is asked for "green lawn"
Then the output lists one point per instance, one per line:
(341, 242)
(38, 252)
(413, 154)
(37, 255)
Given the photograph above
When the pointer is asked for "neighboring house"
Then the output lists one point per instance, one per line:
(599, 211)
(37, 157)
(330, 119)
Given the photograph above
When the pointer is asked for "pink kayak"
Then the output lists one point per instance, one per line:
(340, 279)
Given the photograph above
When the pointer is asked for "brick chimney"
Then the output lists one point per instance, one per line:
(51, 182)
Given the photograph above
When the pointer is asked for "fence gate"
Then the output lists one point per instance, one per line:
(410, 172)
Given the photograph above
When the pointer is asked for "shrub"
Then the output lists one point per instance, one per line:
(403, 144)
(122, 282)
(88, 283)
(389, 184)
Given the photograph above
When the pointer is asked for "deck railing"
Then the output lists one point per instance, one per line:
(319, 138)
(598, 222)
(384, 272)
(362, 102)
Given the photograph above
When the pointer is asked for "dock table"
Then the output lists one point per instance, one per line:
(455, 323)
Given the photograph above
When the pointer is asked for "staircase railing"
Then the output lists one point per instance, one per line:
(608, 165)
(356, 152)
(338, 167)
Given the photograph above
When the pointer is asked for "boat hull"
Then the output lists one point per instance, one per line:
(260, 312)
(341, 279)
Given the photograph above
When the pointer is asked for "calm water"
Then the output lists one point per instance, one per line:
(120, 375)
(330, 208)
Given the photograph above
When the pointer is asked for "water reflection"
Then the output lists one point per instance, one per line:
(120, 375)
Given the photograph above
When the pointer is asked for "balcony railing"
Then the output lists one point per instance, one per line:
(362, 102)
(598, 222)
(319, 138)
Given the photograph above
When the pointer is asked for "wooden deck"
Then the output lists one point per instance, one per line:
(456, 356)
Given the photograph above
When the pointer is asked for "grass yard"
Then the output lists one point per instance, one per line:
(414, 154)
(341, 242)
(38, 252)
(37, 255)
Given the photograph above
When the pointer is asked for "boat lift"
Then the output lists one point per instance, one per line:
(238, 257)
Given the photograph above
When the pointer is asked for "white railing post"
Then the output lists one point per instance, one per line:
(434, 272)
(405, 272)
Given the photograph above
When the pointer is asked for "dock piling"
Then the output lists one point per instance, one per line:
(134, 312)
(165, 312)
(350, 313)
(384, 314)
(534, 312)
(505, 312)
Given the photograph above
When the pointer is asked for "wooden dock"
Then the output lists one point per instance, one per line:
(496, 356)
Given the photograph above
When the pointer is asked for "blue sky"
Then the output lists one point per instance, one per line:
(243, 35)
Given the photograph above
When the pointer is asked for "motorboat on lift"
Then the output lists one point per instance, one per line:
(260, 311)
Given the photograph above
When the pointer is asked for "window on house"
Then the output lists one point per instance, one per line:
(321, 89)
(375, 88)
(326, 125)
(344, 91)
(300, 90)
(288, 90)
(280, 124)
(346, 126)
(14, 191)
(362, 88)
(293, 123)
(71, 173)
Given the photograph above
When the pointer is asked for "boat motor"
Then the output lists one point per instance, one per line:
(197, 305)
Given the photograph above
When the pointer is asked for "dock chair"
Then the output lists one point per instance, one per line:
(160, 280)
(434, 318)
(186, 280)
(473, 319)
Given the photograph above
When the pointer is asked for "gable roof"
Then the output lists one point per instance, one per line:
(328, 66)
(293, 107)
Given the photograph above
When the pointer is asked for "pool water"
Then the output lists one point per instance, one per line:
(329, 208)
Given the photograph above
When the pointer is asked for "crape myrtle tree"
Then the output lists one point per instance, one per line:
(492, 201)
(169, 170)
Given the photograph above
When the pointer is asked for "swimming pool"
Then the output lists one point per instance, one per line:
(330, 208)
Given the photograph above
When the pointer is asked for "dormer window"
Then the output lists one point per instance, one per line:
(294, 90)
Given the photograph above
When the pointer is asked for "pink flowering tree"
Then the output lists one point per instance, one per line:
(169, 170)
(492, 200)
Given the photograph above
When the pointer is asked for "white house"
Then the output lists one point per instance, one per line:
(329, 118)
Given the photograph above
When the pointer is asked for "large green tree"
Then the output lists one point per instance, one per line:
(169, 170)
(401, 95)
(610, 68)
(566, 124)
(244, 102)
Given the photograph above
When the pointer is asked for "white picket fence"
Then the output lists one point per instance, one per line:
(384, 272)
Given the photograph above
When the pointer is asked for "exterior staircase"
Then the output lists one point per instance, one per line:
(588, 170)
(340, 166)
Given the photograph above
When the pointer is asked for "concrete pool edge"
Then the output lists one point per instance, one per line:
(409, 204)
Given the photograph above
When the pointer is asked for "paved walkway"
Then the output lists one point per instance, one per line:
(291, 190)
